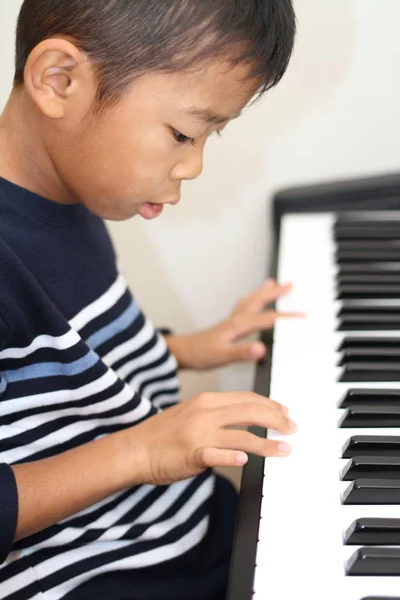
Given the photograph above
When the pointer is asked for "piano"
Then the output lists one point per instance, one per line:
(325, 523)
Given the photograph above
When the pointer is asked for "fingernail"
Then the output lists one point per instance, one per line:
(285, 410)
(242, 459)
(292, 426)
(284, 448)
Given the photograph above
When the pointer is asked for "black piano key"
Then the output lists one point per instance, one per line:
(342, 256)
(359, 372)
(381, 343)
(372, 491)
(368, 279)
(367, 233)
(373, 532)
(371, 445)
(381, 598)
(366, 217)
(366, 397)
(366, 314)
(374, 562)
(350, 291)
(370, 416)
(374, 354)
(369, 268)
(369, 322)
(366, 307)
(369, 245)
(372, 467)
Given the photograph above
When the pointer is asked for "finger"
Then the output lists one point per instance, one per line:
(252, 444)
(289, 315)
(211, 458)
(249, 324)
(251, 414)
(227, 399)
(247, 352)
(268, 293)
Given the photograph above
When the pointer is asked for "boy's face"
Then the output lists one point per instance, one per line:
(133, 158)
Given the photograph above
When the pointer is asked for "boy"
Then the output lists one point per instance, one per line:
(106, 483)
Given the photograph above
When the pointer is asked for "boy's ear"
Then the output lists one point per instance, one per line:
(53, 72)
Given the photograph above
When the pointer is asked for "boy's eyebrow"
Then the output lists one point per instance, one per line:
(209, 116)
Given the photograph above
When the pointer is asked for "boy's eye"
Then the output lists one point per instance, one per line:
(183, 139)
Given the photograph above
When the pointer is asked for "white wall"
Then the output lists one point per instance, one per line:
(335, 115)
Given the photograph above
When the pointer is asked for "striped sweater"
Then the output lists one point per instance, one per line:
(79, 360)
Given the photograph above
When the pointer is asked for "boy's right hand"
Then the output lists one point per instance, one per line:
(172, 446)
(185, 440)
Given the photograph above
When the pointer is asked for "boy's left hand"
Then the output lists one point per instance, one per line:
(217, 346)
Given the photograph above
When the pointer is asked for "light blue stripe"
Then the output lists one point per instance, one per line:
(109, 331)
(53, 369)
(3, 385)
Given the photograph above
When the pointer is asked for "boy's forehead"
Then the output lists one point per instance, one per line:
(213, 94)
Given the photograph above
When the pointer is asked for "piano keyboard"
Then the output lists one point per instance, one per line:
(330, 513)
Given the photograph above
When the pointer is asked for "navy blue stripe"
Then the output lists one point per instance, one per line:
(120, 324)
(170, 392)
(124, 336)
(107, 317)
(33, 435)
(108, 558)
(150, 365)
(83, 438)
(152, 380)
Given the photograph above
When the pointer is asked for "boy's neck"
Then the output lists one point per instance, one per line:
(23, 157)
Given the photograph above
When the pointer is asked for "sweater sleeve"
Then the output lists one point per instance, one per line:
(8, 485)
(8, 510)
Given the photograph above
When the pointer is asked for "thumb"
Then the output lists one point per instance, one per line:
(248, 352)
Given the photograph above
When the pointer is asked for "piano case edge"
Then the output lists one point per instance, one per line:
(381, 192)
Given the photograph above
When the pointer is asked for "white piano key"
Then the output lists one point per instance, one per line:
(300, 551)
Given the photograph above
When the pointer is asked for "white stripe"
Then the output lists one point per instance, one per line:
(144, 359)
(93, 508)
(43, 341)
(71, 534)
(69, 432)
(164, 502)
(167, 367)
(49, 398)
(158, 386)
(162, 401)
(144, 559)
(156, 556)
(132, 345)
(108, 520)
(101, 305)
(29, 423)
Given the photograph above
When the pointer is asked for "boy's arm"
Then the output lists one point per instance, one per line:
(53, 489)
(173, 445)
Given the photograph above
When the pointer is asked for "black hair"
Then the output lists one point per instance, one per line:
(127, 38)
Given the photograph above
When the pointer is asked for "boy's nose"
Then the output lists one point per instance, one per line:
(190, 168)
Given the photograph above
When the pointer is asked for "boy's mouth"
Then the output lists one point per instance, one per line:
(151, 211)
